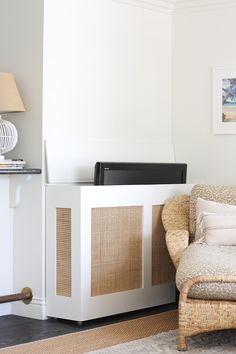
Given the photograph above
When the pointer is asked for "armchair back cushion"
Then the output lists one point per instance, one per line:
(204, 207)
(218, 229)
(220, 194)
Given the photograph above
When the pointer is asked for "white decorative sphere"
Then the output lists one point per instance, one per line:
(8, 136)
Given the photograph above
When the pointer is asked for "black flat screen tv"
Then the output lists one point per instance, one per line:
(118, 173)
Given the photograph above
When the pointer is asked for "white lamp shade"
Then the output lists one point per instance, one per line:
(10, 100)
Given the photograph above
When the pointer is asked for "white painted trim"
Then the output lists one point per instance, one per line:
(179, 6)
(36, 309)
(201, 5)
(162, 6)
(6, 239)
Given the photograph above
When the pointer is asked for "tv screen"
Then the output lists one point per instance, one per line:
(118, 173)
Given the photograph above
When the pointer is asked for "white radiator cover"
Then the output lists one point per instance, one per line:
(81, 306)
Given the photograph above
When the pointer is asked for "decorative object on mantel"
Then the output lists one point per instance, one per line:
(12, 164)
(10, 101)
(20, 171)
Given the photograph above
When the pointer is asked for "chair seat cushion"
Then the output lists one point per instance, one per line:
(201, 259)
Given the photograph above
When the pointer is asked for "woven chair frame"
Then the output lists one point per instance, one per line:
(195, 315)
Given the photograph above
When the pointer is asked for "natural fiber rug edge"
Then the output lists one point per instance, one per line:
(217, 342)
(101, 337)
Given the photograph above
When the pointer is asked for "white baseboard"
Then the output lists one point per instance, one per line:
(36, 309)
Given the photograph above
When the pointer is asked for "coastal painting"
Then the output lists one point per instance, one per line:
(229, 100)
(224, 100)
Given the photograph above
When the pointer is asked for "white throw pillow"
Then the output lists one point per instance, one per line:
(218, 229)
(207, 206)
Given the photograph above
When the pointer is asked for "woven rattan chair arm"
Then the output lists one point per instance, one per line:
(177, 241)
(204, 279)
(175, 213)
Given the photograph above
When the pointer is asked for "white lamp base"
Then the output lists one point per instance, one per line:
(8, 136)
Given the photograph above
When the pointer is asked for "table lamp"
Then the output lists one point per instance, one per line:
(10, 101)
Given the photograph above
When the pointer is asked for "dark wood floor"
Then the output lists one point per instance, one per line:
(17, 330)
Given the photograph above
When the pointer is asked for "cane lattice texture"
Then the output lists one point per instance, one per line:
(63, 252)
(116, 249)
(197, 315)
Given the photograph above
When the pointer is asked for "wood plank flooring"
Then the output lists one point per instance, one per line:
(17, 330)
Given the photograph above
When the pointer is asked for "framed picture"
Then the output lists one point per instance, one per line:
(224, 100)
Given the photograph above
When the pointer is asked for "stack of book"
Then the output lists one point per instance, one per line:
(12, 164)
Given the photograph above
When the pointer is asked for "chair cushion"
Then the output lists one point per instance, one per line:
(217, 229)
(201, 259)
(207, 206)
(220, 194)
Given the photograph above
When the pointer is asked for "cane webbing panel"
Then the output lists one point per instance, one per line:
(63, 252)
(116, 249)
(162, 268)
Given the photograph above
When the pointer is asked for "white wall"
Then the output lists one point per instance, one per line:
(21, 38)
(107, 77)
(201, 40)
(6, 244)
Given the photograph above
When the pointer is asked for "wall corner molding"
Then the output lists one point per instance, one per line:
(182, 6)
(175, 7)
(161, 6)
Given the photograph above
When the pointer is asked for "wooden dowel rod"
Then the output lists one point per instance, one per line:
(25, 295)
(11, 298)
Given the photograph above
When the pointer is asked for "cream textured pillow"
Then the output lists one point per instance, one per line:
(218, 229)
(207, 206)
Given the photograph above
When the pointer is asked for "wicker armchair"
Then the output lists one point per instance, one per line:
(179, 220)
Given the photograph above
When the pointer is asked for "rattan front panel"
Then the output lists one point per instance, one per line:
(63, 252)
(163, 270)
(116, 249)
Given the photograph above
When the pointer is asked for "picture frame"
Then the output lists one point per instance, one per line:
(224, 100)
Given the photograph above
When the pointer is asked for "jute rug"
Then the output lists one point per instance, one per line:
(102, 337)
(134, 336)
(164, 343)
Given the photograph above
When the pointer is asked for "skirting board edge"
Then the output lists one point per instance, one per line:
(36, 309)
